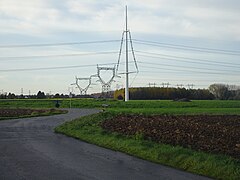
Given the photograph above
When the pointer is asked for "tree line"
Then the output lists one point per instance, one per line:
(40, 95)
(145, 93)
(215, 91)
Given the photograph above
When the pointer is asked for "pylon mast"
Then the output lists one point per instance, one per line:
(127, 83)
(127, 36)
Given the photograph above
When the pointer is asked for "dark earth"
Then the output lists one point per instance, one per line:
(219, 134)
(25, 112)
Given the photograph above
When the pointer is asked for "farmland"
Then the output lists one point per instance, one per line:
(141, 106)
(23, 113)
(214, 134)
(198, 136)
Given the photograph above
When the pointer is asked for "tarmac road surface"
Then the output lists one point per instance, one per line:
(29, 149)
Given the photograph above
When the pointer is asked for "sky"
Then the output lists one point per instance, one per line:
(179, 42)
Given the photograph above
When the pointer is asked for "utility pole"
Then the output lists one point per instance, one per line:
(127, 83)
(190, 86)
(167, 84)
(179, 85)
(152, 84)
(70, 90)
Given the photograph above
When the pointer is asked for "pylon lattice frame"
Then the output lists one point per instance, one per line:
(106, 86)
(83, 91)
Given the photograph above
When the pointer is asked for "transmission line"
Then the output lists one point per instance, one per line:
(178, 60)
(57, 44)
(182, 70)
(141, 62)
(57, 55)
(191, 48)
(53, 68)
(203, 61)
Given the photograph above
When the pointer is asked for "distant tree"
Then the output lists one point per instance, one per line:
(41, 95)
(57, 95)
(235, 95)
(11, 96)
(220, 91)
(3, 96)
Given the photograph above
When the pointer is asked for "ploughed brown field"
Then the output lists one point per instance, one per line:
(22, 112)
(210, 133)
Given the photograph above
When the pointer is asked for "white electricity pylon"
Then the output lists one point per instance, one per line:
(106, 85)
(82, 90)
(127, 35)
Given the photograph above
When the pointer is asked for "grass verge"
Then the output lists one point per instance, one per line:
(88, 129)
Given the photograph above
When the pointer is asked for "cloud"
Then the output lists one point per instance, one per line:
(208, 19)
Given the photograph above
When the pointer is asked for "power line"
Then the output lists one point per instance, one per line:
(232, 52)
(187, 67)
(57, 55)
(212, 49)
(59, 67)
(190, 48)
(203, 61)
(179, 70)
(183, 66)
(53, 68)
(56, 44)
(187, 61)
(186, 80)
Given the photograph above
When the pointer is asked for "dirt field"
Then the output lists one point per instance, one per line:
(23, 112)
(214, 134)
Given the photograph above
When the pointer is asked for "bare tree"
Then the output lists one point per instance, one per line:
(220, 91)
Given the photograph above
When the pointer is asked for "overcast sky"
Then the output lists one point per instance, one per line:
(188, 42)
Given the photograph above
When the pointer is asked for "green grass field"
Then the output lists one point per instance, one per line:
(151, 106)
(88, 129)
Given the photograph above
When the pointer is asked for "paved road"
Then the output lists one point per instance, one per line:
(29, 149)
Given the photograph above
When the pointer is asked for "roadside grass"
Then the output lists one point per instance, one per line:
(47, 112)
(88, 129)
(176, 111)
(97, 103)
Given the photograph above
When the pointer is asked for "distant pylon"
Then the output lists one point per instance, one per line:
(167, 84)
(190, 86)
(180, 85)
(152, 84)
(82, 90)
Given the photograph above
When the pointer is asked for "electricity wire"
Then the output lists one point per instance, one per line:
(176, 58)
(56, 44)
(181, 70)
(190, 48)
(57, 55)
(53, 68)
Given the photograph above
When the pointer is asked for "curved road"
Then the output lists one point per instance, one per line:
(29, 149)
